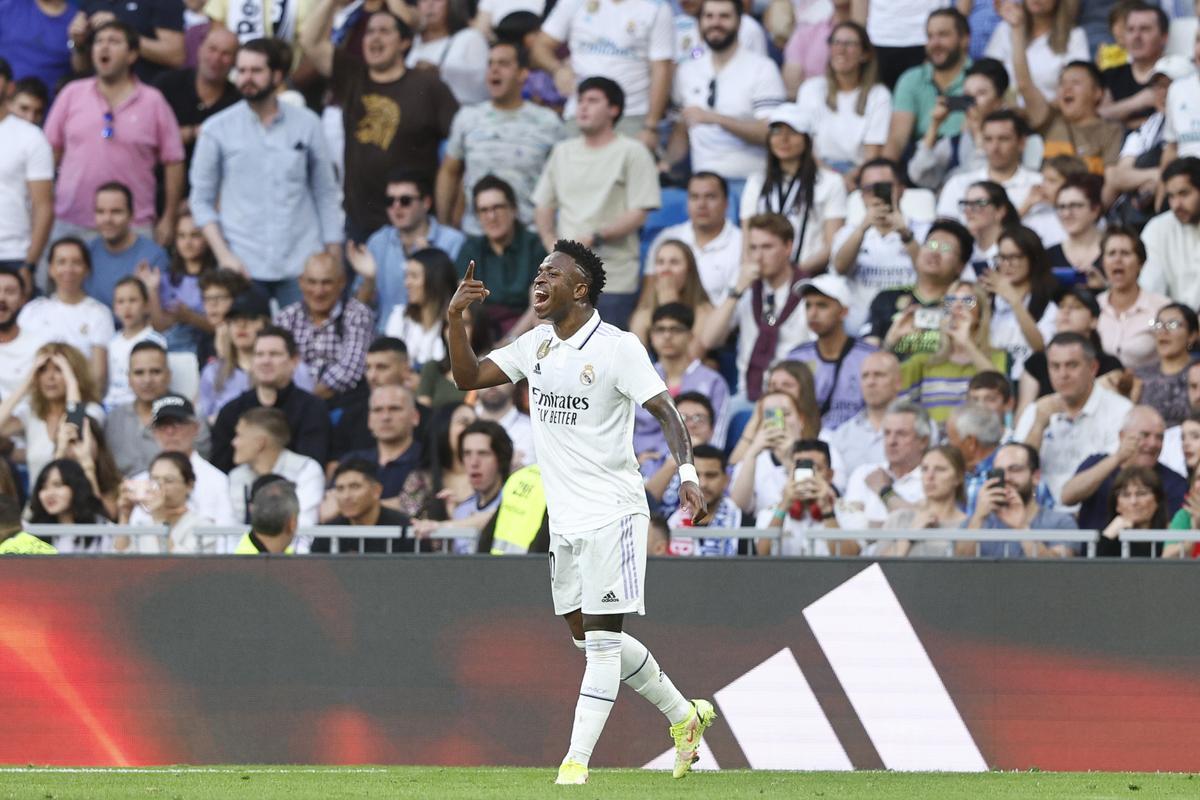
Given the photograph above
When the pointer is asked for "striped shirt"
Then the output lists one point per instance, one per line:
(940, 388)
(336, 349)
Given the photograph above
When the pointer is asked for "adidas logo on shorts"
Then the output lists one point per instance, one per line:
(610, 598)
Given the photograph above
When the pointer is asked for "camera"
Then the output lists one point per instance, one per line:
(959, 102)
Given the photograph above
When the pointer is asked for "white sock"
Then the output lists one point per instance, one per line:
(597, 693)
(640, 672)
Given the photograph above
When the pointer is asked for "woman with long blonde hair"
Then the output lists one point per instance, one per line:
(676, 280)
(1054, 40)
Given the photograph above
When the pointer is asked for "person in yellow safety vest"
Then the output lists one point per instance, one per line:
(13, 540)
(274, 510)
(520, 524)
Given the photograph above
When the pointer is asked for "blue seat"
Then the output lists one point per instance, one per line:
(737, 424)
(672, 212)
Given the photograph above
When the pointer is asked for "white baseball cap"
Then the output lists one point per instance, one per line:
(832, 286)
(793, 116)
(1174, 67)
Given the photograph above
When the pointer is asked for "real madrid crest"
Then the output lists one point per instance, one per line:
(588, 376)
(593, 6)
(543, 349)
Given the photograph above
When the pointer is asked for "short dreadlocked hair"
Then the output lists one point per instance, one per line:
(588, 261)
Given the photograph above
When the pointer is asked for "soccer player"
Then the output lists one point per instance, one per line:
(584, 378)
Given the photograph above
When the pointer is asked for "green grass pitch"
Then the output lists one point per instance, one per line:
(297, 783)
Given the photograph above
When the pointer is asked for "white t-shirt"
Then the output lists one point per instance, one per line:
(499, 9)
(582, 396)
(1183, 115)
(461, 60)
(424, 344)
(1017, 187)
(717, 262)
(84, 325)
(1007, 336)
(747, 87)
(16, 359)
(120, 347)
(617, 40)
(899, 23)
(770, 477)
(39, 445)
(883, 263)
(793, 331)
(520, 431)
(689, 44)
(863, 508)
(829, 202)
(1044, 64)
(302, 471)
(25, 156)
(841, 134)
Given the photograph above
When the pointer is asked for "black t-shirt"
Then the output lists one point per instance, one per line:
(1121, 84)
(1039, 370)
(387, 126)
(387, 516)
(144, 16)
(307, 417)
(179, 89)
(887, 306)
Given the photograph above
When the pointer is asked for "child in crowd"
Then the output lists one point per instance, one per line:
(131, 306)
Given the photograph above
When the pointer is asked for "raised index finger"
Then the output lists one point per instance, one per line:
(470, 276)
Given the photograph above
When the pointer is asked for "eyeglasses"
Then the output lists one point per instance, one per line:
(1064, 208)
(712, 93)
(965, 300)
(216, 298)
(108, 131)
(1010, 258)
(696, 418)
(845, 43)
(403, 200)
(669, 329)
(977, 205)
(484, 211)
(1169, 325)
(934, 246)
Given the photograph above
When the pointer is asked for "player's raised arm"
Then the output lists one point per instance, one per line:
(680, 444)
(469, 373)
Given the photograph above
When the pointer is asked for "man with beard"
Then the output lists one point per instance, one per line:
(496, 404)
(725, 96)
(262, 150)
(1172, 238)
(918, 90)
(1009, 503)
(17, 347)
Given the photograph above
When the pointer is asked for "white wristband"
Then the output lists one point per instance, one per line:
(687, 472)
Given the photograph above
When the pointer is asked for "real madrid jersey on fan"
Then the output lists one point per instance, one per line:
(582, 395)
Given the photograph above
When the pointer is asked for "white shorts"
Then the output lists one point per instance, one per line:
(601, 571)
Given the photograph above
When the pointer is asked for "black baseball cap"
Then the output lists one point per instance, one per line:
(249, 305)
(172, 408)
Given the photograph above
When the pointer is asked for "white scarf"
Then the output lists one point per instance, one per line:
(248, 19)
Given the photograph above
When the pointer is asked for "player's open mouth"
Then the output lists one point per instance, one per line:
(540, 298)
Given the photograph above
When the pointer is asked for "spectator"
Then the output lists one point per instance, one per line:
(29, 99)
(130, 426)
(1181, 125)
(435, 381)
(715, 241)
(1047, 38)
(332, 335)
(505, 139)
(976, 432)
(158, 25)
(994, 391)
(876, 490)
(389, 250)
(260, 448)
(457, 52)
(599, 187)
(119, 248)
(1170, 237)
(430, 281)
(1078, 312)
(947, 36)
(521, 524)
(218, 287)
(27, 185)
(938, 381)
(177, 303)
(63, 495)
(387, 365)
(1078, 419)
(1079, 207)
(807, 503)
(393, 417)
(1022, 296)
(32, 38)
(1163, 385)
(1181, 444)
(274, 518)
(496, 404)
(68, 315)
(834, 358)
(986, 212)
(486, 454)
(272, 374)
(633, 43)
(1010, 502)
(255, 144)
(908, 320)
(811, 198)
(860, 438)
(130, 301)
(1129, 90)
(164, 498)
(850, 110)
(491, 13)
(1186, 518)
(878, 251)
(689, 44)
(196, 93)
(372, 90)
(17, 344)
(698, 417)
(1037, 212)
(767, 320)
(1134, 181)
(1138, 501)
(670, 338)
(1003, 140)
(724, 97)
(358, 492)
(114, 128)
(506, 256)
(943, 473)
(1073, 125)
(711, 465)
(446, 484)
(676, 279)
(13, 540)
(1127, 309)
(902, 35)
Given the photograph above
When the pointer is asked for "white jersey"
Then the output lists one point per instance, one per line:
(583, 393)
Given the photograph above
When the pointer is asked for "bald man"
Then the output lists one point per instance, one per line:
(392, 417)
(1140, 443)
(196, 94)
(860, 438)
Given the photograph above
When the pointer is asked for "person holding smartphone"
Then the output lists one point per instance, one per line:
(808, 500)
(1008, 501)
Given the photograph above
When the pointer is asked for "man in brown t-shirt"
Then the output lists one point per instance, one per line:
(393, 117)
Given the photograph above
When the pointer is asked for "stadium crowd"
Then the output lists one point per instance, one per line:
(912, 265)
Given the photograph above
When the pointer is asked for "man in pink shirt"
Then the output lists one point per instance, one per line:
(113, 127)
